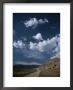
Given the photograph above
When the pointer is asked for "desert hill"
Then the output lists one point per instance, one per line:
(50, 69)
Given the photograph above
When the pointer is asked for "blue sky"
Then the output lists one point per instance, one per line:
(36, 37)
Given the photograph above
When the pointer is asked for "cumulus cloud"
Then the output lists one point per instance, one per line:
(31, 22)
(38, 36)
(32, 45)
(41, 21)
(46, 45)
(50, 47)
(44, 49)
(34, 22)
(18, 44)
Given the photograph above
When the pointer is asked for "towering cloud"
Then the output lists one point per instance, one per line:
(49, 48)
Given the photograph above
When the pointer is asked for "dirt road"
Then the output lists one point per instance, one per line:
(34, 74)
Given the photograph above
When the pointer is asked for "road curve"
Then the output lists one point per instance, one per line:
(34, 74)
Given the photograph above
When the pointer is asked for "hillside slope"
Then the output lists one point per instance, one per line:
(50, 69)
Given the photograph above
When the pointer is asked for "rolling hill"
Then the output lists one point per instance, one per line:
(50, 69)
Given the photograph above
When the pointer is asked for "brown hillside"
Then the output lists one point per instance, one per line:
(50, 69)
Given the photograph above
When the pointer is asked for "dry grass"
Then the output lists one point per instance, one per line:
(51, 69)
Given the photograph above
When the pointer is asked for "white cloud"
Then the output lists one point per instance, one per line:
(38, 36)
(34, 22)
(32, 45)
(41, 45)
(18, 44)
(49, 48)
(46, 21)
(41, 21)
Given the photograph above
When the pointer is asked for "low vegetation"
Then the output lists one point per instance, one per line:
(22, 70)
